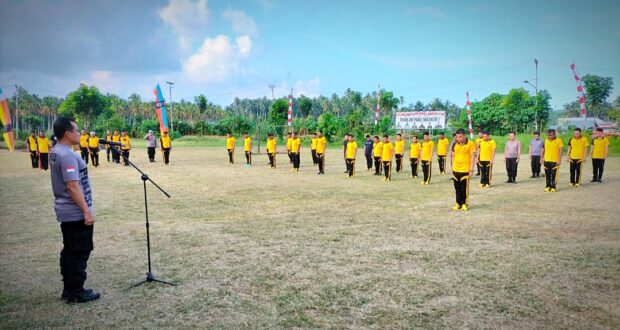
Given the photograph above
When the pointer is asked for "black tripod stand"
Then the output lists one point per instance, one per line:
(150, 277)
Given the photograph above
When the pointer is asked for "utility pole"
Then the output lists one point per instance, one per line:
(272, 95)
(17, 112)
(171, 119)
(536, 88)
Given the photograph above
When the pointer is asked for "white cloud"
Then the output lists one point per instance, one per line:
(241, 23)
(433, 12)
(218, 59)
(309, 88)
(187, 19)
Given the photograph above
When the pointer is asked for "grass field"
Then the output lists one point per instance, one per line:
(261, 248)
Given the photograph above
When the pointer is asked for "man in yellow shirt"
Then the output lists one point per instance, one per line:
(399, 152)
(321, 143)
(126, 147)
(271, 149)
(31, 143)
(166, 145)
(108, 150)
(414, 155)
(387, 154)
(288, 148)
(576, 156)
(477, 143)
(116, 156)
(84, 145)
(295, 151)
(351, 155)
(377, 149)
(463, 161)
(93, 148)
(486, 156)
(426, 156)
(247, 149)
(315, 160)
(230, 147)
(598, 153)
(442, 152)
(43, 149)
(551, 159)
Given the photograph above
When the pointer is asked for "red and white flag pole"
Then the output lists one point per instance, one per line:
(582, 100)
(290, 108)
(378, 105)
(471, 130)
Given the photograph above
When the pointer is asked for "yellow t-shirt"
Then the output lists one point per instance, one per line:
(247, 144)
(32, 143)
(271, 146)
(295, 144)
(230, 142)
(578, 147)
(320, 145)
(463, 153)
(313, 145)
(442, 146)
(84, 141)
(43, 144)
(165, 142)
(116, 138)
(414, 150)
(598, 148)
(125, 140)
(386, 153)
(552, 150)
(288, 144)
(93, 142)
(427, 150)
(377, 149)
(108, 137)
(486, 150)
(399, 147)
(478, 140)
(351, 149)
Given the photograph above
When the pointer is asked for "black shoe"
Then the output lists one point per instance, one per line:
(599, 181)
(65, 293)
(533, 176)
(85, 296)
(514, 181)
(594, 180)
(508, 181)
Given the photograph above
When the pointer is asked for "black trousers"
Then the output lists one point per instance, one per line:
(414, 166)
(368, 161)
(511, 169)
(535, 165)
(399, 162)
(151, 153)
(387, 169)
(34, 159)
(272, 159)
(44, 157)
(321, 159)
(166, 153)
(296, 159)
(350, 166)
(290, 156)
(478, 167)
(377, 165)
(94, 155)
(575, 171)
(107, 154)
(77, 240)
(315, 159)
(84, 154)
(116, 156)
(442, 163)
(248, 157)
(461, 187)
(486, 172)
(551, 174)
(597, 168)
(126, 154)
(231, 156)
(426, 169)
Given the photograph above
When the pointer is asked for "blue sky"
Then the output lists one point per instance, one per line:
(226, 49)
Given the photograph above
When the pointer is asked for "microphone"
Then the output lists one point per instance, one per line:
(112, 143)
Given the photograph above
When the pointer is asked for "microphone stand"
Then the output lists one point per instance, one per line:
(150, 277)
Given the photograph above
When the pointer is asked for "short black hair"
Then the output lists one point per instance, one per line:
(398, 134)
(376, 136)
(426, 133)
(61, 126)
(578, 129)
(551, 130)
(537, 133)
(386, 136)
(460, 131)
(367, 135)
(512, 132)
(441, 133)
(598, 129)
(485, 132)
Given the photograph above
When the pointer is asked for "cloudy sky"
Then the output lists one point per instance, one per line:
(226, 49)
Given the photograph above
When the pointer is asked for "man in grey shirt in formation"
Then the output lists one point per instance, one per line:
(151, 144)
(536, 145)
(73, 204)
(512, 154)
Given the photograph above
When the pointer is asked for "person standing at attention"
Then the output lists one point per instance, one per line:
(598, 153)
(512, 155)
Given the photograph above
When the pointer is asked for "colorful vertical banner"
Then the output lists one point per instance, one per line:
(582, 99)
(378, 105)
(5, 118)
(471, 129)
(290, 109)
(160, 108)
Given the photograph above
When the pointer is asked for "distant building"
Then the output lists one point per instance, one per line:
(585, 124)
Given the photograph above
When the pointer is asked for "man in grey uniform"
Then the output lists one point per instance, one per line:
(73, 205)
(151, 144)
(536, 145)
(512, 155)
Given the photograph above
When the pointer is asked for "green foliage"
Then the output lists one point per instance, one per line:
(34, 122)
(305, 106)
(84, 105)
(149, 124)
(330, 125)
(235, 125)
(278, 112)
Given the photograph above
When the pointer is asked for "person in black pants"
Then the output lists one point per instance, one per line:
(536, 145)
(368, 152)
(344, 151)
(598, 153)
